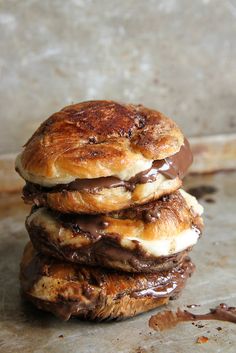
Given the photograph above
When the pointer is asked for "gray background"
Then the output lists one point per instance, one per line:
(174, 55)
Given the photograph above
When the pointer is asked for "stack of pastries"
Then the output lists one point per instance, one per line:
(110, 227)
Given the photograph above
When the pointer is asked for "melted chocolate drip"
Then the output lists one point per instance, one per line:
(169, 319)
(171, 167)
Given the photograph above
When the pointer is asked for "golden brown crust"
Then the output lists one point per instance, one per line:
(95, 139)
(93, 293)
(144, 238)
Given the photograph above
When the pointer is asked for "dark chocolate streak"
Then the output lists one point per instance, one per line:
(171, 167)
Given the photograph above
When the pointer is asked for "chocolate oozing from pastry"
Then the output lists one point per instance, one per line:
(89, 240)
(105, 252)
(95, 293)
(171, 167)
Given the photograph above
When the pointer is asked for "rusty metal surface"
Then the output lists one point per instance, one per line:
(25, 329)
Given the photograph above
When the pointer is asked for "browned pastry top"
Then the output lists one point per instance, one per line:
(96, 139)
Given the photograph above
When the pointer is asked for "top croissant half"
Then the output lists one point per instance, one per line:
(102, 156)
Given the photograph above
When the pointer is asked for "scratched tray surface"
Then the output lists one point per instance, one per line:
(25, 329)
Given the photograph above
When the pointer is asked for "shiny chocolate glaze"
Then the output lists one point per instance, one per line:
(171, 167)
(105, 287)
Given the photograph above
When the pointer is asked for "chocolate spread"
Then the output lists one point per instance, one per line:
(104, 251)
(171, 167)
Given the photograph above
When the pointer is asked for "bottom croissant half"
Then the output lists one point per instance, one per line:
(72, 290)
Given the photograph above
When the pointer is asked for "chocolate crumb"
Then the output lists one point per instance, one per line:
(219, 328)
(60, 336)
(92, 140)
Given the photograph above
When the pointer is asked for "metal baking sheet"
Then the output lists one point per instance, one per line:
(25, 329)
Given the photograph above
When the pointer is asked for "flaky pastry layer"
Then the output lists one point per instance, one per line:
(97, 139)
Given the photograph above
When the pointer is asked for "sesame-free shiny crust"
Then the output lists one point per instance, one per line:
(98, 139)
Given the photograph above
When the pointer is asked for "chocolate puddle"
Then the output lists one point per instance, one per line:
(169, 319)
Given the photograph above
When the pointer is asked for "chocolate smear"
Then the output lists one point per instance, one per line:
(168, 319)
